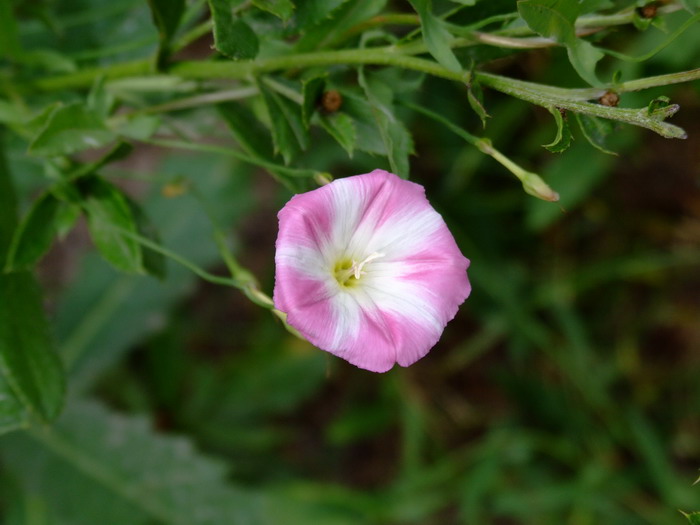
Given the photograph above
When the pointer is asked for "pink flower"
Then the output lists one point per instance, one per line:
(367, 270)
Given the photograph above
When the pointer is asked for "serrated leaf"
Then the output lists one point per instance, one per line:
(166, 16)
(27, 358)
(107, 211)
(288, 133)
(437, 37)
(596, 131)
(34, 236)
(311, 90)
(70, 129)
(232, 36)
(282, 9)
(395, 136)
(342, 128)
(563, 138)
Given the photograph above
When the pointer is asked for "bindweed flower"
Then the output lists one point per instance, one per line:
(367, 270)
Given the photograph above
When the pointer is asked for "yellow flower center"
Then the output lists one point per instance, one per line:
(348, 271)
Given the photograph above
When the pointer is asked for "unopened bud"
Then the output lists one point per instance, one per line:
(535, 186)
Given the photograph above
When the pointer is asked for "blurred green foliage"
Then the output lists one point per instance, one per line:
(145, 150)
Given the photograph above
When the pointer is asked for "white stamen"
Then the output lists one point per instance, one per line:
(357, 267)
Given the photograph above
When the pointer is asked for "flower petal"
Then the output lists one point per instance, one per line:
(411, 287)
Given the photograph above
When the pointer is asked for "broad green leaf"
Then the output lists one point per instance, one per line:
(70, 129)
(562, 140)
(108, 212)
(97, 466)
(369, 139)
(35, 234)
(584, 56)
(232, 36)
(9, 38)
(288, 132)
(437, 37)
(280, 8)
(166, 16)
(597, 131)
(395, 136)
(311, 90)
(27, 358)
(556, 19)
(341, 127)
(327, 32)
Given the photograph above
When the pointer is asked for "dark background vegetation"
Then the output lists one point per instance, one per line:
(564, 392)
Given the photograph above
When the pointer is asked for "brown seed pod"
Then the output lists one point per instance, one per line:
(610, 98)
(331, 101)
(649, 10)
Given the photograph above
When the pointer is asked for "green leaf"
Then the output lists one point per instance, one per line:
(562, 141)
(108, 211)
(139, 127)
(369, 139)
(35, 234)
(97, 466)
(395, 136)
(341, 127)
(8, 206)
(476, 101)
(693, 6)
(153, 262)
(119, 151)
(437, 37)
(166, 16)
(13, 415)
(282, 9)
(27, 358)
(99, 100)
(288, 133)
(311, 90)
(584, 56)
(693, 518)
(9, 39)
(597, 131)
(70, 129)
(232, 37)
(556, 19)
(253, 137)
(325, 32)
(311, 12)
